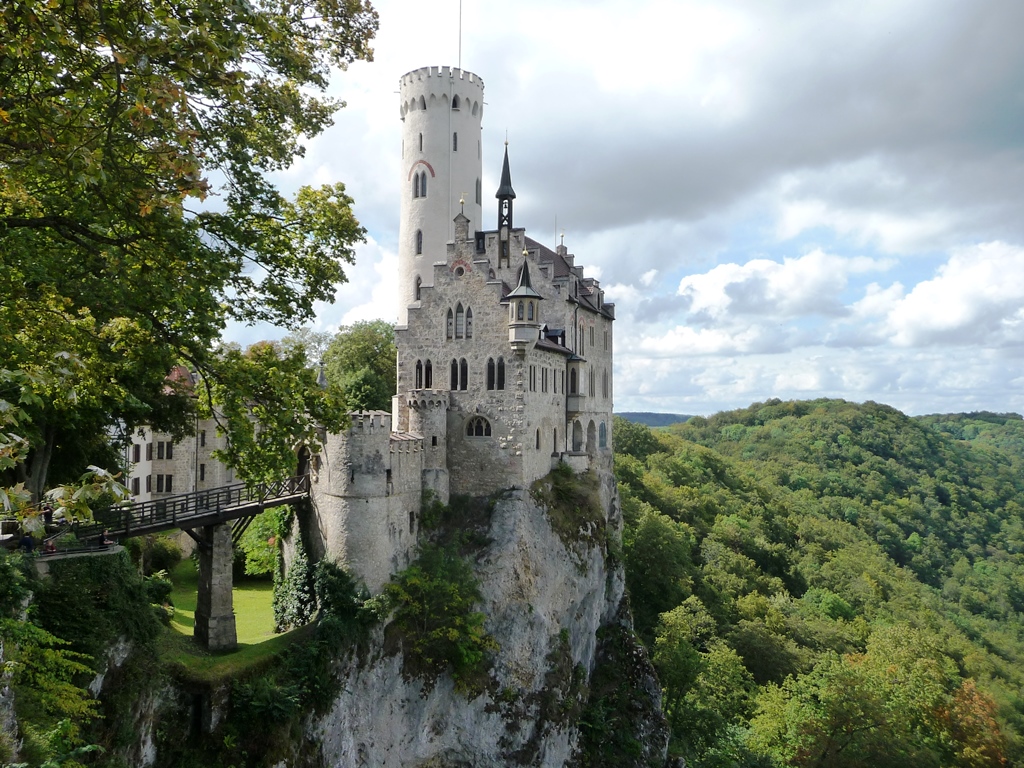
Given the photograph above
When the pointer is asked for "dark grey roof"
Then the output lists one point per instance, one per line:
(505, 187)
(525, 288)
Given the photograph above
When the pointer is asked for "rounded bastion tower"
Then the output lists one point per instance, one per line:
(442, 109)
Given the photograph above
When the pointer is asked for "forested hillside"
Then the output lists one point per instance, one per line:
(830, 584)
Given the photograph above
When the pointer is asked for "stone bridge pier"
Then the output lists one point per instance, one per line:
(215, 615)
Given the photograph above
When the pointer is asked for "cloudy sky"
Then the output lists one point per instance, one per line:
(784, 198)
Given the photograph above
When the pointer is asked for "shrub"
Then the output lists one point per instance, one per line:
(433, 601)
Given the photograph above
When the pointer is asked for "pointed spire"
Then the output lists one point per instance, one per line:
(525, 288)
(505, 188)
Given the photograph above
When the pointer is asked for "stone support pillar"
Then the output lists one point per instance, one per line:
(215, 617)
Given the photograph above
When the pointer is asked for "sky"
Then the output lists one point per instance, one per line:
(784, 199)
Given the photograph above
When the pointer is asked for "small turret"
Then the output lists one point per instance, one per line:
(523, 310)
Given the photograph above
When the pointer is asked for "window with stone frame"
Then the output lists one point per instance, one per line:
(428, 375)
(450, 325)
(478, 426)
(500, 382)
(463, 374)
(490, 373)
(460, 321)
(419, 374)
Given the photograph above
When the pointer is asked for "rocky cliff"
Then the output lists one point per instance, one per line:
(552, 587)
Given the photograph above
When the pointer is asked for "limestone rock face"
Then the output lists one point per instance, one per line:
(545, 600)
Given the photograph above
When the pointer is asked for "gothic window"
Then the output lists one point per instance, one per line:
(419, 250)
(581, 340)
(519, 311)
(592, 390)
(572, 382)
(455, 375)
(478, 426)
(460, 321)
(490, 373)
(529, 310)
(469, 323)
(419, 375)
(419, 280)
(423, 184)
(602, 436)
(463, 374)
(428, 375)
(415, 185)
(455, 141)
(450, 326)
(500, 384)
(423, 105)
(455, 102)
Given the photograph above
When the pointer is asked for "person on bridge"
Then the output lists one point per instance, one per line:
(106, 540)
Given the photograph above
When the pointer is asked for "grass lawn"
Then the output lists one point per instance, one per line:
(254, 623)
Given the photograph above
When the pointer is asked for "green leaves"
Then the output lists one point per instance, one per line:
(118, 119)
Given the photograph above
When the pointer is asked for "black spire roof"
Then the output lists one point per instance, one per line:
(505, 188)
(525, 288)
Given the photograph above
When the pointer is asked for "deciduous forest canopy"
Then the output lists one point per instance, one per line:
(136, 212)
(824, 583)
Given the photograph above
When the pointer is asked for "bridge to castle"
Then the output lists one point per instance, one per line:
(216, 519)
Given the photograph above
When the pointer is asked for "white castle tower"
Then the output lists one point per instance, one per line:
(441, 109)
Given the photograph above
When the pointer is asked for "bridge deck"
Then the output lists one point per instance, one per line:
(196, 509)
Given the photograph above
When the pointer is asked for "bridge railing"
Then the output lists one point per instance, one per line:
(177, 511)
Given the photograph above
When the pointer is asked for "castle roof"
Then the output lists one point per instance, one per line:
(525, 287)
(505, 187)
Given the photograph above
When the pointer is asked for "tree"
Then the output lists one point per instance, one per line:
(361, 361)
(136, 216)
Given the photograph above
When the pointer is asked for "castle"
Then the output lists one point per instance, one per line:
(504, 356)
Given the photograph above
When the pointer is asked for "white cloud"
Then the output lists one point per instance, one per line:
(976, 298)
(809, 284)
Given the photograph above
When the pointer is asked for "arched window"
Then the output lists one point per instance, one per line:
(463, 373)
(519, 311)
(455, 102)
(478, 426)
(455, 375)
(419, 375)
(500, 383)
(469, 323)
(478, 191)
(602, 436)
(415, 185)
(460, 321)
(419, 249)
(450, 325)
(529, 310)
(604, 383)
(490, 373)
(419, 281)
(592, 390)
(428, 375)
(423, 184)
(423, 105)
(572, 381)
(591, 438)
(582, 345)
(455, 141)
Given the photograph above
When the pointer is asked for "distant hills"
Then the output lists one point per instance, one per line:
(654, 419)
